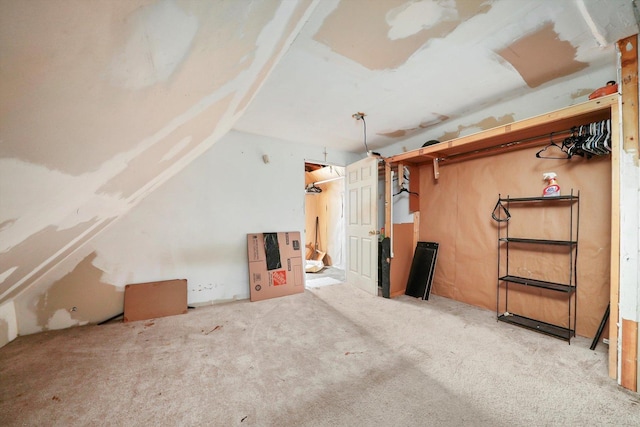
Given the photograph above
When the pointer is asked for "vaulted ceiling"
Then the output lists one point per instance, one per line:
(102, 101)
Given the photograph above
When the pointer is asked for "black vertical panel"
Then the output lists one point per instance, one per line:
(385, 278)
(422, 269)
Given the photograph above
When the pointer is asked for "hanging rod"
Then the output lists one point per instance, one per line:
(313, 184)
(523, 143)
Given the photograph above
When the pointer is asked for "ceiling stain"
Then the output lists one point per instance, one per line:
(580, 93)
(359, 30)
(541, 57)
(81, 288)
(438, 118)
(396, 133)
(484, 124)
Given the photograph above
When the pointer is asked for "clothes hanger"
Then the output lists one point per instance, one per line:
(607, 126)
(551, 154)
(404, 190)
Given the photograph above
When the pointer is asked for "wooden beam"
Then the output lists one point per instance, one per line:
(629, 61)
(614, 272)
(629, 359)
(628, 48)
(388, 229)
(414, 187)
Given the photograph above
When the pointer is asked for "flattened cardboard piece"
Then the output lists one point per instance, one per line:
(155, 299)
(275, 265)
(402, 257)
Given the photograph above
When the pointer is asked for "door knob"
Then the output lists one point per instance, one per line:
(373, 232)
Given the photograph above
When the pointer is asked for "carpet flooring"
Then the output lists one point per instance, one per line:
(331, 356)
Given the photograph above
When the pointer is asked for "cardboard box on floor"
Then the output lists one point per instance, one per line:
(275, 265)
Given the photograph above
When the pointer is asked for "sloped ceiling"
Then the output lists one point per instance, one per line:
(102, 101)
(417, 69)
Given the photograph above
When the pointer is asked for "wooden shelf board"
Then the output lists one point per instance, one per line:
(556, 121)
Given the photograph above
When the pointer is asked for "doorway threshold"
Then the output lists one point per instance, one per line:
(327, 276)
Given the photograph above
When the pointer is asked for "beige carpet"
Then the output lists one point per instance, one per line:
(333, 356)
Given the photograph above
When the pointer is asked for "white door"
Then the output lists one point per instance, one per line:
(362, 224)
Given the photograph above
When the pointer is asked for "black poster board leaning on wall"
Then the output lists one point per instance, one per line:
(422, 269)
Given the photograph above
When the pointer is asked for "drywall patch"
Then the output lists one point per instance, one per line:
(83, 120)
(39, 197)
(265, 57)
(160, 40)
(8, 272)
(484, 124)
(541, 57)
(413, 17)
(80, 297)
(177, 148)
(61, 319)
(37, 250)
(152, 162)
(354, 26)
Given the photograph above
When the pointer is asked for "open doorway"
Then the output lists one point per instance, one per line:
(325, 256)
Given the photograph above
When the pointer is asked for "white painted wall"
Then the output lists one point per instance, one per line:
(195, 225)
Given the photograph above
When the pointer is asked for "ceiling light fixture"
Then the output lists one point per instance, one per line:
(360, 116)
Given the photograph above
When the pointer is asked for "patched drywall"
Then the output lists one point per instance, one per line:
(159, 39)
(541, 56)
(296, 14)
(36, 251)
(78, 298)
(103, 102)
(175, 233)
(162, 155)
(142, 65)
(396, 28)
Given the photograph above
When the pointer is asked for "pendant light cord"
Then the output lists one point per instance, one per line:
(365, 134)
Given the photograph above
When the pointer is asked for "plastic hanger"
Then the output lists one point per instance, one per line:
(543, 154)
(404, 190)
